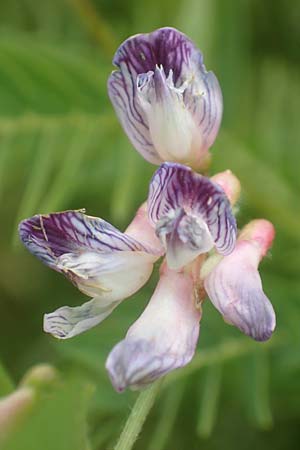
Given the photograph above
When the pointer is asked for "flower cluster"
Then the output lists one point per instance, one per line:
(171, 108)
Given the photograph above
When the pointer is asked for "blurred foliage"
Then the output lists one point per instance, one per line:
(61, 147)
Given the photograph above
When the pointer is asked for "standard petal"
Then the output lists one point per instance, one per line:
(190, 212)
(234, 287)
(67, 322)
(93, 254)
(168, 104)
(162, 339)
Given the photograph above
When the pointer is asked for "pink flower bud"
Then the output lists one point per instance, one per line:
(229, 183)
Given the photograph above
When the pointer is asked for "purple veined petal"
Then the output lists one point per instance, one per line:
(162, 339)
(67, 322)
(50, 236)
(74, 242)
(234, 287)
(191, 214)
(122, 92)
(168, 104)
(97, 258)
(203, 99)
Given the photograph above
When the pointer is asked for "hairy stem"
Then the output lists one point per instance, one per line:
(137, 417)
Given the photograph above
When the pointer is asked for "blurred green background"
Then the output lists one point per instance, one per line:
(61, 147)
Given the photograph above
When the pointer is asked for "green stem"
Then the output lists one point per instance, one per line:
(168, 414)
(137, 417)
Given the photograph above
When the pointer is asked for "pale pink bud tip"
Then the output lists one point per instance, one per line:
(261, 231)
(230, 185)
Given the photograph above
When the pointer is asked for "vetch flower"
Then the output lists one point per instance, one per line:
(96, 257)
(163, 338)
(234, 286)
(191, 214)
(168, 104)
(171, 109)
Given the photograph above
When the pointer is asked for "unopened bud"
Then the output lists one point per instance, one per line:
(230, 185)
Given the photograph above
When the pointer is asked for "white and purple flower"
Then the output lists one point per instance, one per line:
(191, 214)
(171, 109)
(168, 104)
(102, 262)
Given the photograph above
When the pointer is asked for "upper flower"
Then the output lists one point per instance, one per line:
(168, 104)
